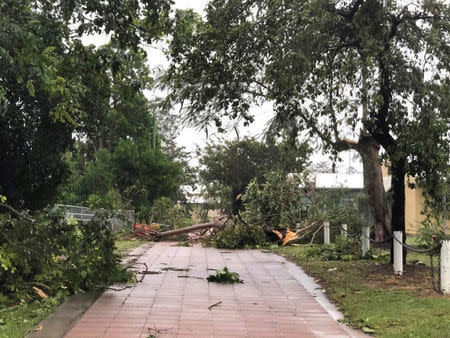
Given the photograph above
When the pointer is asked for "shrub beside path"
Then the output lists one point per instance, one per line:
(174, 300)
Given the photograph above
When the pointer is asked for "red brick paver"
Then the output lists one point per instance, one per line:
(270, 302)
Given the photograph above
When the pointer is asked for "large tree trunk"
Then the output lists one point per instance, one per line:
(368, 149)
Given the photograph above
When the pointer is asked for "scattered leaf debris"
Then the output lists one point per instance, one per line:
(225, 276)
(170, 268)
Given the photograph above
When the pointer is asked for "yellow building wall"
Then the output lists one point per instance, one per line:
(414, 203)
(413, 211)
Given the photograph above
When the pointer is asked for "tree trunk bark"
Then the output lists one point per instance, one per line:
(368, 149)
(101, 143)
(156, 235)
(192, 228)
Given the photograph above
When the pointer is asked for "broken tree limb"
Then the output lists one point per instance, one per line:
(215, 224)
(156, 235)
(215, 304)
(17, 212)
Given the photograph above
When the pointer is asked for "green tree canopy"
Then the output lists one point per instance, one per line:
(51, 85)
(33, 93)
(330, 68)
(121, 149)
(228, 167)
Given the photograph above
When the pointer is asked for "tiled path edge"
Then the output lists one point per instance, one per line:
(270, 303)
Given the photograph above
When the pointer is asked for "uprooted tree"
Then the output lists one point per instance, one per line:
(331, 68)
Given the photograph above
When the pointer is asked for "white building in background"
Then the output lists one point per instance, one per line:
(354, 181)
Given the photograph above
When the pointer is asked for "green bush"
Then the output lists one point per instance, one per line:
(239, 236)
(431, 232)
(171, 215)
(55, 254)
(342, 249)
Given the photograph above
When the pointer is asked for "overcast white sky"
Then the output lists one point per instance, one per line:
(190, 137)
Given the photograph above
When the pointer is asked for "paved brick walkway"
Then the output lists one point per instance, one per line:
(270, 302)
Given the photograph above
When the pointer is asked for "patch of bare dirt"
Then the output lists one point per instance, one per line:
(415, 278)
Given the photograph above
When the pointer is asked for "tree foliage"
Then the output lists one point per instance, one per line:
(121, 149)
(320, 63)
(228, 167)
(293, 202)
(281, 202)
(53, 90)
(32, 93)
(54, 254)
(169, 214)
(51, 85)
(129, 177)
(169, 125)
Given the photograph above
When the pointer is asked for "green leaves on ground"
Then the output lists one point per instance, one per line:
(225, 276)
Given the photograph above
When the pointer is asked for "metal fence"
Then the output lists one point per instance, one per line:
(118, 219)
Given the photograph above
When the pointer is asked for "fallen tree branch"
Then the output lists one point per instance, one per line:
(121, 289)
(154, 235)
(41, 285)
(215, 304)
(17, 212)
(158, 331)
(143, 273)
(315, 233)
(187, 276)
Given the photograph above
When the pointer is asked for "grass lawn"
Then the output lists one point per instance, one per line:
(372, 298)
(17, 320)
(414, 258)
(125, 245)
